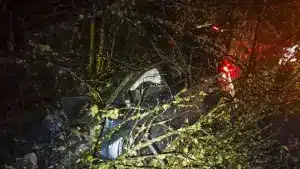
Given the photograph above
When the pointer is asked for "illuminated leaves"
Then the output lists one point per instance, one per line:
(113, 114)
(166, 106)
(90, 158)
(94, 110)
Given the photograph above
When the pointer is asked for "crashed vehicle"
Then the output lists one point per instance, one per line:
(148, 90)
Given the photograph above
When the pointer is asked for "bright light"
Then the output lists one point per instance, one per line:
(224, 75)
(215, 28)
(226, 68)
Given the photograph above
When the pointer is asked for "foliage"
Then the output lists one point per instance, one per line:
(129, 38)
(215, 140)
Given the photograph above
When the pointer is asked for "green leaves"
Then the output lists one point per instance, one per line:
(113, 114)
(94, 110)
(90, 158)
(166, 106)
